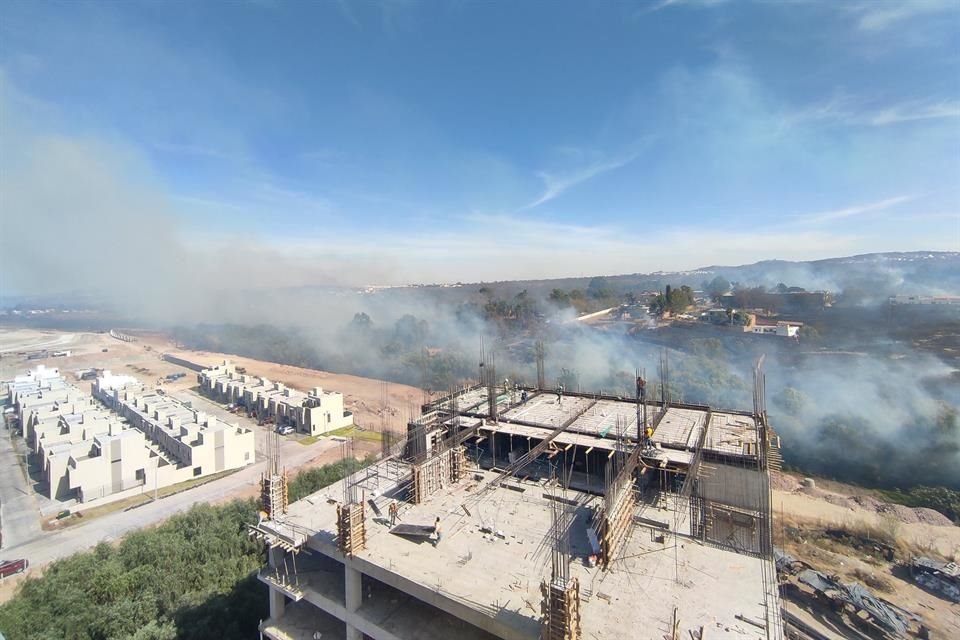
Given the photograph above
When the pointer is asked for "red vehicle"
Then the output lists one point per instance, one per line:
(12, 567)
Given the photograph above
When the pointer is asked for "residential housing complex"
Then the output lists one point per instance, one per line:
(187, 443)
(313, 413)
(88, 451)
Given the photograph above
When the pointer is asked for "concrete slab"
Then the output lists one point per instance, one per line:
(680, 428)
(605, 418)
(545, 410)
(493, 554)
(731, 434)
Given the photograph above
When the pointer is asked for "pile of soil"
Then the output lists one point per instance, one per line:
(899, 512)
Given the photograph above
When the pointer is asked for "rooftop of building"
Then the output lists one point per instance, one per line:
(598, 421)
(494, 553)
(172, 408)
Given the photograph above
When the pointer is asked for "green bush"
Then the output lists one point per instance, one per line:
(191, 577)
(312, 480)
(942, 499)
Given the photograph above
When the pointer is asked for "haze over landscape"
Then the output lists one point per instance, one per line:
(438, 142)
(418, 237)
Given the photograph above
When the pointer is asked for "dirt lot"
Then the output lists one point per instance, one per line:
(361, 395)
(921, 528)
(87, 351)
(804, 514)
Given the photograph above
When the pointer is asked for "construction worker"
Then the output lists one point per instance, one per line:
(649, 436)
(393, 513)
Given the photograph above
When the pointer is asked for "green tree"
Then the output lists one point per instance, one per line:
(793, 401)
(718, 286)
(599, 288)
(559, 298)
(410, 331)
(361, 322)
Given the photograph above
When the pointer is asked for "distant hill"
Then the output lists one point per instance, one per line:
(874, 276)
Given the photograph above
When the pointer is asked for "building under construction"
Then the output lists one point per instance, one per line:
(524, 512)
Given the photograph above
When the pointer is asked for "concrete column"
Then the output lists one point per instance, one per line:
(278, 601)
(353, 597)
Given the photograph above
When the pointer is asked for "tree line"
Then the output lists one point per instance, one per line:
(192, 577)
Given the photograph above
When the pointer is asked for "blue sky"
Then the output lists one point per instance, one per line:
(434, 141)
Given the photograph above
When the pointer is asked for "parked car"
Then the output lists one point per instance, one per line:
(285, 430)
(13, 567)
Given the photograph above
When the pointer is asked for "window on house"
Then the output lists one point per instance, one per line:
(197, 471)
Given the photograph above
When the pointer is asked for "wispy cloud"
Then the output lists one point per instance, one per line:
(855, 210)
(555, 184)
(200, 150)
(869, 15)
(322, 156)
(910, 111)
(663, 4)
(347, 12)
(848, 111)
(879, 15)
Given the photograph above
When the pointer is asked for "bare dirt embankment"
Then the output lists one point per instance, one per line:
(848, 506)
(846, 531)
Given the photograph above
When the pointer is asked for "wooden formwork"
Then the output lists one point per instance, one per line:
(615, 524)
(561, 610)
(351, 528)
(273, 495)
(429, 476)
(458, 464)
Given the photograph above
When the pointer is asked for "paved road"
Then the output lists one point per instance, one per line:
(58, 544)
(19, 516)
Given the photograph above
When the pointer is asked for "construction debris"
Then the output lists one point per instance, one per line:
(885, 615)
(941, 578)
